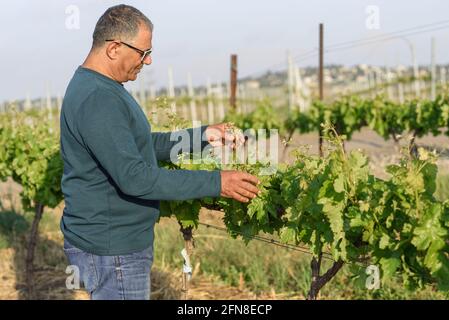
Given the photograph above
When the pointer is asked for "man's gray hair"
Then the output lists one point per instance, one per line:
(119, 23)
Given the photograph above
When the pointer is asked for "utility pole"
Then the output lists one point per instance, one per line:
(232, 98)
(320, 82)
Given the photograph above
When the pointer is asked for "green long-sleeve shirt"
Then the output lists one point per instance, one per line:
(111, 181)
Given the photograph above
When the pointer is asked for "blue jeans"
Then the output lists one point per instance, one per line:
(123, 277)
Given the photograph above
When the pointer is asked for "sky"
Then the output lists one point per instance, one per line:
(43, 42)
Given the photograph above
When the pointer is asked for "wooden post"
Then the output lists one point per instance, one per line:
(187, 252)
(232, 99)
(320, 83)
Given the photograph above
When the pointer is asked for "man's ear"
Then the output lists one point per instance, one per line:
(112, 50)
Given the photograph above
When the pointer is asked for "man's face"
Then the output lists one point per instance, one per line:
(130, 62)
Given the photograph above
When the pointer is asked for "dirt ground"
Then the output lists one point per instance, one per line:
(166, 284)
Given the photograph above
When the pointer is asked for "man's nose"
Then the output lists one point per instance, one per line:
(148, 60)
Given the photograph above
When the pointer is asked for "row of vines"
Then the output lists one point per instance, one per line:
(332, 204)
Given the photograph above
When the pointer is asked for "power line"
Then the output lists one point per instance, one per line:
(384, 39)
(375, 39)
(361, 42)
(389, 34)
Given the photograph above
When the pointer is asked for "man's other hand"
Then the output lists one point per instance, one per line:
(238, 185)
(227, 134)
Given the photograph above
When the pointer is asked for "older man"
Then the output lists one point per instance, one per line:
(112, 183)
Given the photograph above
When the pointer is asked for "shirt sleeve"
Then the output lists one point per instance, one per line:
(103, 123)
(187, 140)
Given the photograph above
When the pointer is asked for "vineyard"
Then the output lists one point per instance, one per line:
(331, 205)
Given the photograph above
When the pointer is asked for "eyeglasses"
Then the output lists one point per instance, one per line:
(144, 53)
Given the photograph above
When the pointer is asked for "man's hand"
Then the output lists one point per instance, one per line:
(238, 185)
(227, 134)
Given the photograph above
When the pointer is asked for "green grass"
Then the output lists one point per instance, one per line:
(12, 225)
(15, 224)
(262, 266)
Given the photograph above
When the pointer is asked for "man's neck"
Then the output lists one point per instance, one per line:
(93, 63)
